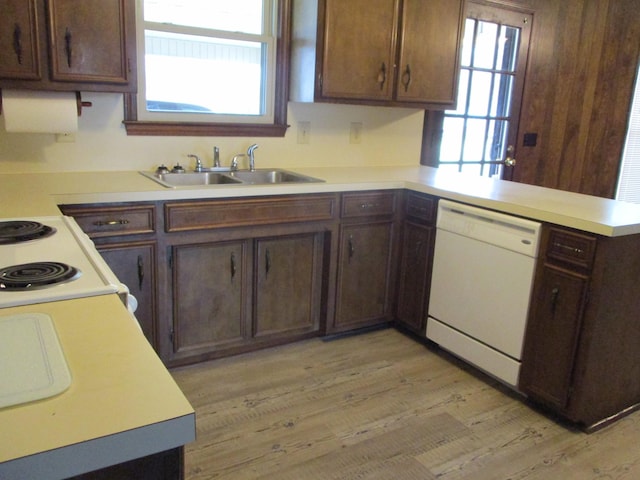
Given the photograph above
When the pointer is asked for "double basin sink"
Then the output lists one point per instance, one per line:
(229, 177)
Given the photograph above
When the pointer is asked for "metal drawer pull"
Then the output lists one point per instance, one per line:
(352, 249)
(17, 43)
(267, 262)
(368, 205)
(568, 248)
(382, 76)
(233, 265)
(555, 292)
(67, 46)
(140, 271)
(100, 223)
(406, 78)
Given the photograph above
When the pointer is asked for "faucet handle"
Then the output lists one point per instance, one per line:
(198, 162)
(234, 161)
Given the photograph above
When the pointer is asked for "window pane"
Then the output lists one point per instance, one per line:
(474, 140)
(201, 74)
(467, 42)
(480, 93)
(451, 144)
(484, 52)
(463, 88)
(508, 48)
(236, 16)
(496, 140)
(501, 101)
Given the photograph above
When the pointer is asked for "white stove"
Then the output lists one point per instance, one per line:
(63, 244)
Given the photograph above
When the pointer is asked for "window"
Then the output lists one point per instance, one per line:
(629, 181)
(210, 67)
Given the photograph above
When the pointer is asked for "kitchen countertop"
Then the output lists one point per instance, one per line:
(122, 403)
(45, 191)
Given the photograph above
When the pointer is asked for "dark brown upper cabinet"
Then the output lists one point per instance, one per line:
(68, 45)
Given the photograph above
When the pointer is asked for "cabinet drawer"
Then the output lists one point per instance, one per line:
(101, 221)
(202, 215)
(421, 207)
(571, 247)
(366, 204)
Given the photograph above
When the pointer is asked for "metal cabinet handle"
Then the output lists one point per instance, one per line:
(406, 78)
(67, 45)
(352, 249)
(17, 42)
(382, 75)
(267, 262)
(568, 248)
(233, 265)
(364, 206)
(107, 223)
(555, 293)
(140, 271)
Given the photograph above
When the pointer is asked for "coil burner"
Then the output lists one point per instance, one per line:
(32, 276)
(17, 231)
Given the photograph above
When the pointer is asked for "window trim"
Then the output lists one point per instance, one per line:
(210, 129)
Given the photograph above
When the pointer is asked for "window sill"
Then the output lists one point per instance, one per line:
(178, 129)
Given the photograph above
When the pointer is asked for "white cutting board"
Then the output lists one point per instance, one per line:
(32, 364)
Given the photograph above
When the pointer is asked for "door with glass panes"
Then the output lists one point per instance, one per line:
(479, 136)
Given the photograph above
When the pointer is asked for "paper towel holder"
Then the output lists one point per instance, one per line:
(79, 104)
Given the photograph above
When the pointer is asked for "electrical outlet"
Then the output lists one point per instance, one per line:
(355, 133)
(304, 132)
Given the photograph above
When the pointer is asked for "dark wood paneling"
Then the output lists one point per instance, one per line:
(582, 66)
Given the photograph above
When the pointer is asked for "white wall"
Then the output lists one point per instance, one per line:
(390, 136)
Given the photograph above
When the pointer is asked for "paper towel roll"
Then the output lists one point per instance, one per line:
(39, 112)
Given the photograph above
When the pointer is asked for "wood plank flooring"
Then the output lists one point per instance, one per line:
(382, 406)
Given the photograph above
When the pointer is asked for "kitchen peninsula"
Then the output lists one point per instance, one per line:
(606, 220)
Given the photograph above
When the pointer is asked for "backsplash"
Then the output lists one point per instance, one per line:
(389, 136)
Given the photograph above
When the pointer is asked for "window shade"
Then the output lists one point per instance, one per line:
(629, 181)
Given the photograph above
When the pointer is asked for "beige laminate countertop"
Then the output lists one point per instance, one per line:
(122, 403)
(23, 195)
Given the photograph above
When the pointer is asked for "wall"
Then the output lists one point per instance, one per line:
(582, 65)
(389, 137)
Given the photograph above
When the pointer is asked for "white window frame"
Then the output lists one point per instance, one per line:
(269, 38)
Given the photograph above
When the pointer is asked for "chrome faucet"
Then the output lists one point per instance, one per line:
(216, 157)
(198, 163)
(234, 161)
(252, 160)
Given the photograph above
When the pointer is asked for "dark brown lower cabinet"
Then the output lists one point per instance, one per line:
(414, 277)
(229, 296)
(134, 263)
(580, 356)
(416, 261)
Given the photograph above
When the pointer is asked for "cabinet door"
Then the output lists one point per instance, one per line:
(415, 276)
(288, 273)
(358, 49)
(364, 274)
(19, 52)
(429, 51)
(134, 265)
(552, 335)
(88, 40)
(209, 296)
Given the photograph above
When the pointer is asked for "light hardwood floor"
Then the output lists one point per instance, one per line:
(382, 406)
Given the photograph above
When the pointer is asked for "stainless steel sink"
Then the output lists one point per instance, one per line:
(189, 179)
(267, 176)
(238, 177)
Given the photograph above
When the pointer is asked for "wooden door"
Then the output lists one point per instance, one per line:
(135, 265)
(364, 274)
(209, 296)
(414, 275)
(358, 49)
(88, 40)
(429, 51)
(552, 333)
(288, 278)
(19, 47)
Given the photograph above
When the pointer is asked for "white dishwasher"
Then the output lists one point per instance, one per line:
(483, 270)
